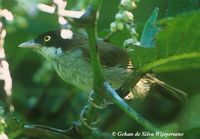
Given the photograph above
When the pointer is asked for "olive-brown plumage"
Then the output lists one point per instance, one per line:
(71, 59)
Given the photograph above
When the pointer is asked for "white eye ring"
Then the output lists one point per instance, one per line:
(47, 38)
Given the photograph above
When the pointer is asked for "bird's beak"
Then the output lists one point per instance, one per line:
(29, 44)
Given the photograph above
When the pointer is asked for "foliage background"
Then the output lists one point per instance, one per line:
(41, 97)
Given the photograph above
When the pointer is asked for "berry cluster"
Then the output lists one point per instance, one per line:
(124, 19)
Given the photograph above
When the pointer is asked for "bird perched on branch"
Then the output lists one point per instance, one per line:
(69, 54)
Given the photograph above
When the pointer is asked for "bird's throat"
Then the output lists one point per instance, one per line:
(72, 68)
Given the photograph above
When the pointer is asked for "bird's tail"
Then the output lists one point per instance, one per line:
(168, 90)
(151, 85)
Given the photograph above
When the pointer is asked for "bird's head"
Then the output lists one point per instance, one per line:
(52, 43)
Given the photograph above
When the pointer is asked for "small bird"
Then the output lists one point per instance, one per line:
(68, 53)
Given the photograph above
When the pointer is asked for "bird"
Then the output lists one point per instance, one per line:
(68, 53)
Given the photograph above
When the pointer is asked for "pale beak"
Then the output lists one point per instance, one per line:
(29, 44)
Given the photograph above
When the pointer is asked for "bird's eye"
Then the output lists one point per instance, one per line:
(47, 38)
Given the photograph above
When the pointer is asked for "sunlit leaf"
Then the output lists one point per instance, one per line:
(149, 32)
(178, 41)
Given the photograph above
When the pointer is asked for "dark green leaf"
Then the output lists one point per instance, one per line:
(192, 133)
(191, 113)
(181, 6)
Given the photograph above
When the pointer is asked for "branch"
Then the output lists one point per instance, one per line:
(89, 115)
(126, 108)
(50, 132)
(97, 74)
(4, 66)
(89, 21)
(62, 12)
(131, 81)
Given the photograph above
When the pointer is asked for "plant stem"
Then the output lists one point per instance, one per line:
(95, 61)
(130, 111)
(108, 36)
(130, 82)
(89, 112)
(46, 131)
(98, 76)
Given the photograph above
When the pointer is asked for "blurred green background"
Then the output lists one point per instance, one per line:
(40, 96)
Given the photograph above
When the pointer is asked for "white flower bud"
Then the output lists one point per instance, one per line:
(128, 26)
(128, 16)
(129, 4)
(133, 4)
(113, 26)
(133, 31)
(130, 42)
(120, 26)
(119, 16)
(125, 2)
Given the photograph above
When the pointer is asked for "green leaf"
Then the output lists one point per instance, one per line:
(189, 116)
(177, 7)
(192, 133)
(178, 41)
(15, 124)
(150, 29)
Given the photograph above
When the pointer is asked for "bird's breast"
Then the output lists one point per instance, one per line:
(72, 68)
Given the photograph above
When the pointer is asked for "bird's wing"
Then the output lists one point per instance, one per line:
(111, 56)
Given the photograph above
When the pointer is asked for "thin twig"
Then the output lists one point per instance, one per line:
(50, 132)
(108, 36)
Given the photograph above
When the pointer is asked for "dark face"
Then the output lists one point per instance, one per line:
(63, 39)
(55, 39)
